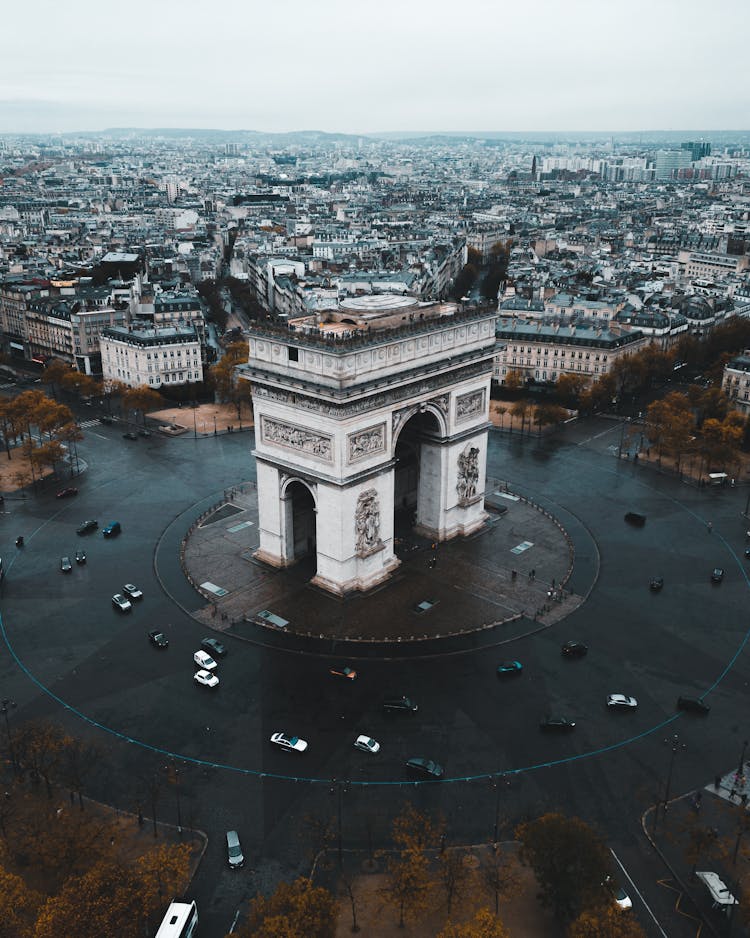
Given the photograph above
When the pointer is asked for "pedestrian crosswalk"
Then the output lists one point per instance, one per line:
(84, 424)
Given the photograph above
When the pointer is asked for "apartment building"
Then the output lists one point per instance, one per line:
(735, 382)
(152, 357)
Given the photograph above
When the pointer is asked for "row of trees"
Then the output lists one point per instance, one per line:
(488, 274)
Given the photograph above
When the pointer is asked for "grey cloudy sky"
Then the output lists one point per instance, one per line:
(358, 67)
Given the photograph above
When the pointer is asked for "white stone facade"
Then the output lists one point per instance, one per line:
(151, 357)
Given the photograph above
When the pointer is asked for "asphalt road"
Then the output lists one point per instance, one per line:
(70, 657)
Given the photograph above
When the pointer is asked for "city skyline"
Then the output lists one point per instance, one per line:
(401, 68)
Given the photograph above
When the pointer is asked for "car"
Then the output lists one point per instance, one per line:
(204, 661)
(635, 518)
(621, 898)
(717, 575)
(158, 639)
(290, 743)
(366, 744)
(506, 668)
(621, 702)
(425, 767)
(112, 529)
(343, 670)
(574, 649)
(67, 493)
(234, 850)
(80, 556)
(556, 725)
(87, 526)
(65, 565)
(106, 419)
(399, 704)
(130, 435)
(121, 602)
(747, 551)
(213, 646)
(692, 705)
(656, 583)
(132, 591)
(205, 679)
(143, 432)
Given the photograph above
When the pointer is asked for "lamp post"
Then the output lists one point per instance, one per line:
(173, 775)
(740, 770)
(339, 787)
(675, 746)
(195, 427)
(498, 784)
(6, 704)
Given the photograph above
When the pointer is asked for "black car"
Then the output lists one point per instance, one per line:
(425, 767)
(86, 527)
(80, 556)
(656, 583)
(574, 649)
(214, 647)
(106, 419)
(717, 575)
(692, 705)
(158, 639)
(144, 432)
(399, 704)
(130, 435)
(556, 725)
(635, 518)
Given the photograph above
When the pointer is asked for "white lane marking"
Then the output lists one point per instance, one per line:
(637, 891)
(596, 436)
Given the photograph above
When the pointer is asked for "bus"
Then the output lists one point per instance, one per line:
(180, 920)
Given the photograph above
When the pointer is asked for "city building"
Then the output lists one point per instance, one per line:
(153, 357)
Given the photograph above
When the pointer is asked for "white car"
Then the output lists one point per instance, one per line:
(621, 702)
(204, 661)
(289, 742)
(132, 591)
(121, 603)
(206, 679)
(366, 744)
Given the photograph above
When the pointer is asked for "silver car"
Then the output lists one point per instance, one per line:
(235, 856)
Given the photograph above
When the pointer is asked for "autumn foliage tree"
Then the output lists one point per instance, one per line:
(18, 906)
(482, 925)
(222, 374)
(408, 884)
(294, 910)
(604, 922)
(142, 399)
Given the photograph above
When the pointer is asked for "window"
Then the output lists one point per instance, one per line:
(293, 354)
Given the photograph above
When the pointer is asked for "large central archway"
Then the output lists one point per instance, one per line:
(301, 521)
(416, 488)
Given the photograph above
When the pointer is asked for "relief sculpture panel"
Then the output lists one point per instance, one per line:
(285, 434)
(469, 405)
(366, 442)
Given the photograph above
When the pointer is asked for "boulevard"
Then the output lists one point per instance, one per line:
(70, 657)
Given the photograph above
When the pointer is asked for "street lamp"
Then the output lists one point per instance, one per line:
(340, 788)
(740, 770)
(498, 785)
(6, 704)
(675, 746)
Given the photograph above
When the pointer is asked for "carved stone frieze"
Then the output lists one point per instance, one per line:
(469, 405)
(297, 438)
(366, 442)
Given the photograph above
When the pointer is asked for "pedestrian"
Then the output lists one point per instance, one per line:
(717, 782)
(553, 582)
(710, 526)
(513, 574)
(533, 573)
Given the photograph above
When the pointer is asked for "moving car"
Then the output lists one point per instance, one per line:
(717, 575)
(65, 565)
(288, 742)
(87, 526)
(656, 583)
(621, 898)
(621, 702)
(205, 679)
(692, 705)
(366, 744)
(80, 556)
(106, 419)
(425, 767)
(635, 518)
(556, 725)
(143, 432)
(234, 850)
(112, 529)
(395, 704)
(213, 646)
(574, 649)
(121, 602)
(509, 667)
(343, 670)
(129, 435)
(132, 591)
(204, 660)
(158, 639)
(67, 493)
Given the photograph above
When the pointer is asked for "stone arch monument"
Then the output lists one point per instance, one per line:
(380, 407)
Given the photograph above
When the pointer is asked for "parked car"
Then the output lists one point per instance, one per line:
(204, 661)
(621, 702)
(143, 432)
(121, 602)
(656, 583)
(65, 565)
(506, 668)
(80, 556)
(158, 639)
(132, 591)
(87, 526)
(343, 670)
(425, 767)
(692, 705)
(556, 725)
(129, 435)
(717, 575)
(621, 898)
(112, 529)
(290, 743)
(105, 418)
(574, 649)
(399, 704)
(206, 679)
(67, 493)
(234, 850)
(213, 646)
(366, 744)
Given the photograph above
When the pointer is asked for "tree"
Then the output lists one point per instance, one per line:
(546, 414)
(408, 884)
(465, 280)
(483, 925)
(453, 875)
(18, 906)
(605, 922)
(295, 910)
(142, 398)
(39, 748)
(520, 409)
(222, 374)
(569, 860)
(499, 875)
(513, 379)
(569, 388)
(54, 374)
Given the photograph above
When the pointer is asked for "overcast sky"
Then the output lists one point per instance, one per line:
(362, 66)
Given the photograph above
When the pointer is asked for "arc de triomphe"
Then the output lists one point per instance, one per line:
(377, 414)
